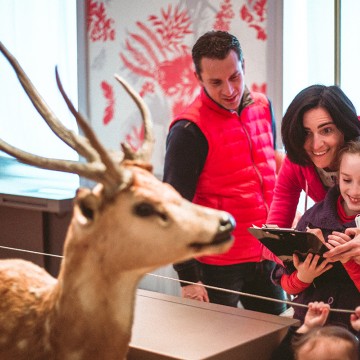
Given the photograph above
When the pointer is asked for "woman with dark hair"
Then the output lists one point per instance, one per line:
(315, 126)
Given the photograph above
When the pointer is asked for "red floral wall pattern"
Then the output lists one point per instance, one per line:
(149, 44)
(157, 52)
(254, 13)
(224, 16)
(100, 26)
(108, 93)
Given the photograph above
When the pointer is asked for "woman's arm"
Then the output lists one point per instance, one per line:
(286, 196)
(353, 269)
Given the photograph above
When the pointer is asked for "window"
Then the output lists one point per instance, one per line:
(350, 51)
(308, 46)
(40, 34)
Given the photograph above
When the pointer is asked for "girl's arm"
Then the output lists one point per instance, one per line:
(286, 277)
(304, 275)
(292, 285)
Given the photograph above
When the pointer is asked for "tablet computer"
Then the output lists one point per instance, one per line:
(285, 242)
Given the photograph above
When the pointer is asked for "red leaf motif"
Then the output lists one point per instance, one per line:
(108, 93)
(259, 8)
(255, 14)
(245, 14)
(262, 88)
(261, 34)
(224, 16)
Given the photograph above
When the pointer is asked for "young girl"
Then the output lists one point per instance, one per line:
(336, 284)
(315, 341)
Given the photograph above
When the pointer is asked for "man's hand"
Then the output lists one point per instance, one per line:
(308, 270)
(195, 292)
(342, 247)
(316, 315)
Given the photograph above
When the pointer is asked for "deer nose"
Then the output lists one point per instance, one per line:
(226, 226)
(227, 223)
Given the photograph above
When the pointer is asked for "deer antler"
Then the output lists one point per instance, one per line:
(144, 153)
(99, 167)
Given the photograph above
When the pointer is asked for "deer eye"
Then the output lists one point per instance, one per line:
(144, 209)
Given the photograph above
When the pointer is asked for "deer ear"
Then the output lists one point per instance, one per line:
(88, 204)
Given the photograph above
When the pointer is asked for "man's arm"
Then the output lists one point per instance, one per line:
(186, 152)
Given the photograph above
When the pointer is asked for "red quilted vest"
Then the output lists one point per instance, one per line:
(239, 172)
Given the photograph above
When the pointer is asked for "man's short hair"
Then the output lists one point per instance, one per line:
(215, 45)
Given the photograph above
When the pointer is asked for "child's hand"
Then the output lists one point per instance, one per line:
(316, 315)
(308, 270)
(343, 247)
(355, 319)
(318, 233)
(337, 238)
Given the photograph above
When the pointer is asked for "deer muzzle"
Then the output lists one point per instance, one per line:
(226, 226)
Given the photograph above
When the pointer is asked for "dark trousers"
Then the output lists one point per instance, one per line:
(252, 278)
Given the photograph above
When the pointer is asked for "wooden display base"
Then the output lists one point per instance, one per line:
(169, 327)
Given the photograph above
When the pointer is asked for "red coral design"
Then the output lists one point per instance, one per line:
(172, 28)
(147, 87)
(254, 13)
(157, 52)
(136, 138)
(108, 92)
(224, 16)
(262, 88)
(245, 14)
(99, 27)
